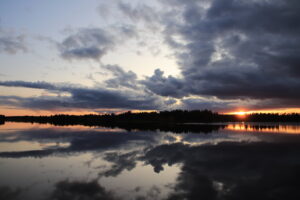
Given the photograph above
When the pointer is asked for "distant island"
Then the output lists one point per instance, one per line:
(175, 120)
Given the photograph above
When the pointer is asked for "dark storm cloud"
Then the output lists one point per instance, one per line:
(11, 43)
(233, 49)
(93, 43)
(81, 97)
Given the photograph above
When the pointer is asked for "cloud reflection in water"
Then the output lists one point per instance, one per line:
(115, 165)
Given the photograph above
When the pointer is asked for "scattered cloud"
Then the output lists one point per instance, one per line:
(120, 78)
(86, 43)
(94, 43)
(141, 12)
(12, 43)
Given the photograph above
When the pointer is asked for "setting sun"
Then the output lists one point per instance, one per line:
(242, 113)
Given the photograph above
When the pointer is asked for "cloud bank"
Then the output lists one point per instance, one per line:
(80, 97)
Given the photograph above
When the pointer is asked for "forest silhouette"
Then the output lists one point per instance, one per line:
(178, 121)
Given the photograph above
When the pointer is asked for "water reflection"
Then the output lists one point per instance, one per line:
(265, 127)
(48, 162)
(231, 170)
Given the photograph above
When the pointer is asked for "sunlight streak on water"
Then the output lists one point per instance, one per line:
(265, 128)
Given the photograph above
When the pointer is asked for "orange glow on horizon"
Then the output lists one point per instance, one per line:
(13, 111)
(279, 111)
(22, 112)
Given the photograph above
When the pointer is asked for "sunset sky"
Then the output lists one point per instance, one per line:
(95, 56)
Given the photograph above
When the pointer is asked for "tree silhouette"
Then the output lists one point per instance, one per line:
(2, 119)
(176, 120)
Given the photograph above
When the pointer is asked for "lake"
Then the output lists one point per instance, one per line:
(224, 161)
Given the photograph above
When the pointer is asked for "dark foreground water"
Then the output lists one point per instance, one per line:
(229, 161)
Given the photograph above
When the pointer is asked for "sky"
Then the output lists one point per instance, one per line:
(98, 56)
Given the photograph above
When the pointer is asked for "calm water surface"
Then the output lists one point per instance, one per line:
(228, 161)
